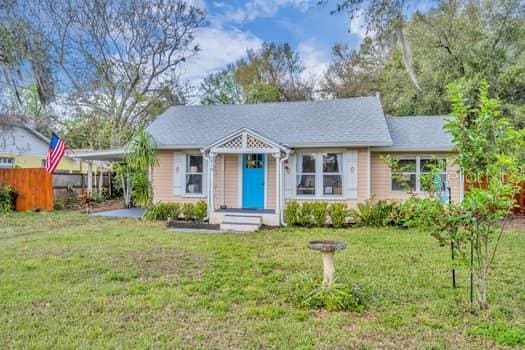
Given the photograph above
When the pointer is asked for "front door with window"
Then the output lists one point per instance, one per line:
(253, 181)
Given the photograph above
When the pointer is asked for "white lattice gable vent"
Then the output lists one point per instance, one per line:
(244, 141)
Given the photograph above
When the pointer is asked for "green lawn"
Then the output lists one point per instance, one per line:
(70, 281)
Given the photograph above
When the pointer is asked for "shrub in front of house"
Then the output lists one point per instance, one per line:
(305, 215)
(188, 211)
(163, 211)
(384, 213)
(379, 213)
(176, 211)
(291, 213)
(319, 213)
(200, 210)
(338, 214)
(316, 214)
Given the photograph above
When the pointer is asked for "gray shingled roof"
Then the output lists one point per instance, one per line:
(344, 122)
(419, 133)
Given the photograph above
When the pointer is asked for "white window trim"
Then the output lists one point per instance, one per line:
(7, 165)
(319, 176)
(340, 173)
(186, 173)
(314, 174)
(418, 171)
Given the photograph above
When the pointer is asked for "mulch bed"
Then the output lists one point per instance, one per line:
(192, 225)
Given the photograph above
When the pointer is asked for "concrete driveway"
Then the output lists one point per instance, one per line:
(134, 213)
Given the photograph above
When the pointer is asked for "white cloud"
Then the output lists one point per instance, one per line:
(314, 59)
(358, 25)
(219, 47)
(261, 8)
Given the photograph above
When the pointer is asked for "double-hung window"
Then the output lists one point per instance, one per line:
(404, 178)
(332, 174)
(319, 174)
(194, 174)
(410, 172)
(6, 162)
(427, 166)
(306, 174)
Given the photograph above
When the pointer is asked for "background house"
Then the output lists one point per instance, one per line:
(24, 147)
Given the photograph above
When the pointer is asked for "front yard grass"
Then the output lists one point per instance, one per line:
(72, 281)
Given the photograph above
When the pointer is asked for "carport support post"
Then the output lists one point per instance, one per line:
(90, 179)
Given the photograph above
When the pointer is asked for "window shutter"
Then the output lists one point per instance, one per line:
(179, 173)
(289, 177)
(350, 174)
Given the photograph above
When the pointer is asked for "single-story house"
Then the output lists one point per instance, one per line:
(24, 147)
(247, 161)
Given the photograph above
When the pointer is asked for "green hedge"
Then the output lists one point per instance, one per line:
(316, 214)
(370, 213)
(390, 213)
(176, 211)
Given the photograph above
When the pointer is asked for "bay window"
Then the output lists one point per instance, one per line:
(319, 174)
(194, 174)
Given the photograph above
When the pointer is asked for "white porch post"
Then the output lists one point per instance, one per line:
(277, 157)
(90, 178)
(211, 174)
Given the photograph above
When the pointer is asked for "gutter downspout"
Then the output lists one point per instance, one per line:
(281, 190)
(369, 170)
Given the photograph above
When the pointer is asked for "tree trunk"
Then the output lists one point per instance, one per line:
(406, 53)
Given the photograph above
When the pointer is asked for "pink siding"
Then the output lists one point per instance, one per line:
(231, 175)
(381, 177)
(380, 180)
(162, 180)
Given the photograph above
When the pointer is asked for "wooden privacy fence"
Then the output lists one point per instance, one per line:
(65, 182)
(520, 197)
(33, 186)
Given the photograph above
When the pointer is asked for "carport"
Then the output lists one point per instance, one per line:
(115, 155)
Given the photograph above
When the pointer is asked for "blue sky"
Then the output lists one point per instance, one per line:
(235, 26)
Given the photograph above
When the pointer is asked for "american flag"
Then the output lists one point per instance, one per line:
(57, 148)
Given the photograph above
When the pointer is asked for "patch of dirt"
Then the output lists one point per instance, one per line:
(110, 204)
(516, 222)
(164, 262)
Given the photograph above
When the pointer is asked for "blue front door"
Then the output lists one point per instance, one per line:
(253, 181)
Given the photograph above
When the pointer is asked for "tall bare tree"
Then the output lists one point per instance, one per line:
(353, 73)
(274, 70)
(23, 55)
(119, 58)
(386, 19)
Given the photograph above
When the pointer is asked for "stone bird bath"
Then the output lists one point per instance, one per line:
(327, 249)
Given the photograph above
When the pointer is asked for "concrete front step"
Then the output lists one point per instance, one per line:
(239, 227)
(243, 219)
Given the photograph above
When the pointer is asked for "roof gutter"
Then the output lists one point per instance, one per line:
(411, 149)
